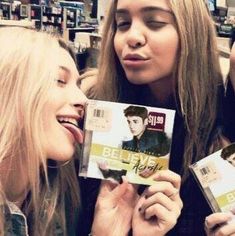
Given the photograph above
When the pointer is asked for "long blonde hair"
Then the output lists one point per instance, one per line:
(27, 70)
(197, 73)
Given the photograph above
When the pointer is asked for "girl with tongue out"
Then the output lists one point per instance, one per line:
(41, 113)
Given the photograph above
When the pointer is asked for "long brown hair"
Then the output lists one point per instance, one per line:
(197, 73)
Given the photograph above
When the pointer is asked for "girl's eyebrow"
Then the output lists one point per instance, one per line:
(153, 8)
(68, 72)
(64, 68)
(64, 71)
(121, 11)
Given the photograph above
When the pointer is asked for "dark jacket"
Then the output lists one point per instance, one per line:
(229, 112)
(153, 143)
(15, 221)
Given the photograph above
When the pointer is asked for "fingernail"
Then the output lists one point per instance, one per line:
(156, 176)
(124, 179)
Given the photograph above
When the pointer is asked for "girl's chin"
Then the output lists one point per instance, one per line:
(55, 163)
(62, 157)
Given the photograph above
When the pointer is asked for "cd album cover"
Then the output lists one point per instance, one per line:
(215, 175)
(125, 140)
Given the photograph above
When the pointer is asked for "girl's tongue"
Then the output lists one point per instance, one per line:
(77, 133)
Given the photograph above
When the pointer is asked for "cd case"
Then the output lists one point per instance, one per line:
(215, 175)
(125, 140)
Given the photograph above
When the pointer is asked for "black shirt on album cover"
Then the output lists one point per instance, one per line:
(151, 142)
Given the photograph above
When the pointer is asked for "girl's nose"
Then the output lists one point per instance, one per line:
(136, 37)
(79, 100)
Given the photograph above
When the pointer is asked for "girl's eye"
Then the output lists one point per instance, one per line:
(155, 24)
(61, 82)
(123, 25)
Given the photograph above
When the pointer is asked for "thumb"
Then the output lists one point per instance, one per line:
(106, 187)
(120, 190)
(126, 191)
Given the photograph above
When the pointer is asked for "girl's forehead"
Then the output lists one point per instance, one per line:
(144, 8)
(162, 4)
(65, 61)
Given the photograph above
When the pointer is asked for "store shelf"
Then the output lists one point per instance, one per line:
(22, 23)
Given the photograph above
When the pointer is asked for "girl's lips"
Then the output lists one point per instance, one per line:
(135, 56)
(77, 133)
(134, 62)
